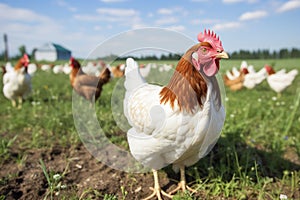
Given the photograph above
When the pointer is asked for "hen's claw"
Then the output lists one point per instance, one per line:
(182, 184)
(158, 192)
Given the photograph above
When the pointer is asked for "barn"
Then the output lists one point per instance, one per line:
(51, 52)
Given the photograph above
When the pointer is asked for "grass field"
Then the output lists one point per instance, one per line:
(256, 157)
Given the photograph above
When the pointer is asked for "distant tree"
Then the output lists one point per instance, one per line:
(275, 54)
(295, 53)
(284, 53)
(2, 56)
(163, 57)
(266, 54)
(22, 50)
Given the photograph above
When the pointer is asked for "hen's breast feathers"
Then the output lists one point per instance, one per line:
(163, 134)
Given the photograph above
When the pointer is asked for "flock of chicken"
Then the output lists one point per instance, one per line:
(249, 78)
(86, 80)
(178, 123)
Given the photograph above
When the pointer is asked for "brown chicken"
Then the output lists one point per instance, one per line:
(237, 83)
(118, 71)
(3, 70)
(90, 87)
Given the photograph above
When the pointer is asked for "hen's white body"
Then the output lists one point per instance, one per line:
(161, 135)
(17, 84)
(281, 80)
(254, 78)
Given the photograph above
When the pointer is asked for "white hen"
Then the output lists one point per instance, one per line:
(253, 78)
(17, 83)
(180, 123)
(280, 80)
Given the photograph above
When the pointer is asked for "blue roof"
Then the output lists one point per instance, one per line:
(59, 47)
(52, 46)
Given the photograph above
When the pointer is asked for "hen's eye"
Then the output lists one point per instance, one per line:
(204, 50)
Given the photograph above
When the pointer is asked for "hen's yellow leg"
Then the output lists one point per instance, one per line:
(157, 191)
(20, 100)
(182, 184)
(14, 103)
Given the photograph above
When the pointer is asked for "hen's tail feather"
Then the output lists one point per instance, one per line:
(133, 78)
(293, 73)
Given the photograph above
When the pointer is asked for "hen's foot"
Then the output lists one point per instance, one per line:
(158, 193)
(182, 184)
(183, 187)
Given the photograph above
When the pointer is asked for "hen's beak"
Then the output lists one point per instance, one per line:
(223, 54)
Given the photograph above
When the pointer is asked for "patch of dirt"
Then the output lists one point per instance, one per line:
(82, 176)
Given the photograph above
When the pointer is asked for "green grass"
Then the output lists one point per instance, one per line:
(256, 157)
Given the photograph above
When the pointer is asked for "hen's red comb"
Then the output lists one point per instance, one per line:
(25, 57)
(210, 37)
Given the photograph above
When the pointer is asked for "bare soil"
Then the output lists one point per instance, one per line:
(82, 176)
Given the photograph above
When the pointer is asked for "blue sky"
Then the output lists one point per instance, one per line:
(82, 25)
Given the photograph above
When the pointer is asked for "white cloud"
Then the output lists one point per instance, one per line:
(164, 21)
(19, 14)
(228, 25)
(199, 0)
(98, 28)
(26, 27)
(177, 28)
(87, 17)
(64, 4)
(231, 1)
(171, 11)
(115, 12)
(204, 21)
(112, 1)
(110, 15)
(150, 15)
(238, 1)
(290, 5)
(253, 15)
(165, 11)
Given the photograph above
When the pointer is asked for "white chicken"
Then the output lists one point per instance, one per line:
(31, 69)
(145, 70)
(17, 83)
(57, 69)
(9, 67)
(46, 67)
(253, 78)
(280, 80)
(178, 123)
(235, 72)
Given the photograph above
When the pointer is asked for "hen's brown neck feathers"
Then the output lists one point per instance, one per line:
(19, 65)
(186, 86)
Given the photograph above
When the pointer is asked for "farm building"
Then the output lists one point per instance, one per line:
(51, 52)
